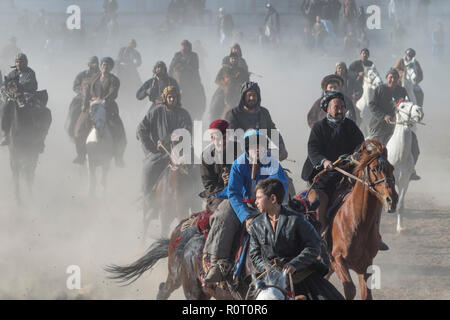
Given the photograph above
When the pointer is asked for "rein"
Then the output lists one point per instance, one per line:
(161, 146)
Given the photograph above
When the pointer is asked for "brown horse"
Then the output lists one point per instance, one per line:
(174, 194)
(354, 231)
(184, 251)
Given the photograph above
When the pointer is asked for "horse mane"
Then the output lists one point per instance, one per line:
(369, 150)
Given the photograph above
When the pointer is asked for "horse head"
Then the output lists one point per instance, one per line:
(409, 113)
(372, 77)
(272, 287)
(98, 115)
(377, 173)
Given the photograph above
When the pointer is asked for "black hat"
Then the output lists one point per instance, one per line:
(328, 96)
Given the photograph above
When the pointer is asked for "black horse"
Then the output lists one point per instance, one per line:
(31, 120)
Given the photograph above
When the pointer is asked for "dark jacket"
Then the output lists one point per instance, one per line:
(27, 80)
(156, 88)
(383, 103)
(295, 241)
(158, 124)
(328, 143)
(316, 113)
(356, 67)
(83, 76)
(239, 119)
(108, 90)
(185, 67)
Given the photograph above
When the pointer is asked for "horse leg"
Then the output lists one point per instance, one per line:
(173, 280)
(343, 273)
(402, 187)
(366, 293)
(105, 170)
(92, 178)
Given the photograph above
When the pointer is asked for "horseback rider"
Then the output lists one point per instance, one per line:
(236, 48)
(128, 60)
(329, 139)
(400, 66)
(105, 87)
(331, 82)
(184, 67)
(348, 88)
(27, 86)
(356, 71)
(382, 107)
(249, 114)
(157, 127)
(217, 159)
(76, 106)
(295, 249)
(154, 87)
(230, 79)
(247, 170)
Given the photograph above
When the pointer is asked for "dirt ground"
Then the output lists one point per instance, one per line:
(62, 226)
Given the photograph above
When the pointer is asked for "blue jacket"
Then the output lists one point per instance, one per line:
(241, 185)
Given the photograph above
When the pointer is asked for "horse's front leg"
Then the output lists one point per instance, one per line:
(339, 266)
(92, 180)
(366, 293)
(402, 188)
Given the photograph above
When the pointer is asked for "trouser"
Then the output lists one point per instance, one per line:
(225, 226)
(381, 131)
(117, 129)
(384, 132)
(154, 165)
(74, 113)
(7, 116)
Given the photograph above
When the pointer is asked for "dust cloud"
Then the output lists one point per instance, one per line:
(61, 225)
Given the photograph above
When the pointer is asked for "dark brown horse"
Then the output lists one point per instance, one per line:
(354, 231)
(174, 194)
(184, 251)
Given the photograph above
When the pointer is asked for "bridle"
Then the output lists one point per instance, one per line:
(409, 122)
(366, 177)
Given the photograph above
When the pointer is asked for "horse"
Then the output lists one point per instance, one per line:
(184, 251)
(353, 236)
(31, 120)
(99, 145)
(175, 192)
(414, 90)
(399, 150)
(372, 80)
(274, 286)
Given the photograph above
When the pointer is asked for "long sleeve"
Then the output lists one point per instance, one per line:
(28, 83)
(235, 187)
(77, 83)
(254, 252)
(310, 241)
(142, 92)
(283, 154)
(419, 72)
(138, 59)
(211, 181)
(144, 134)
(113, 91)
(374, 105)
(315, 152)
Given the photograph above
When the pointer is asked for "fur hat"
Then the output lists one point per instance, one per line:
(330, 79)
(171, 90)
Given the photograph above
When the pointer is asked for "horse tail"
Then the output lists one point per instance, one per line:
(133, 271)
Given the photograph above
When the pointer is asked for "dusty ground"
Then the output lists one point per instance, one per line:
(62, 226)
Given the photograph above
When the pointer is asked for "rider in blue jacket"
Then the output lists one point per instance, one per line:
(254, 165)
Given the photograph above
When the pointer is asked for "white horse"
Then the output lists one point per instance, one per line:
(407, 116)
(99, 145)
(274, 286)
(410, 80)
(372, 80)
